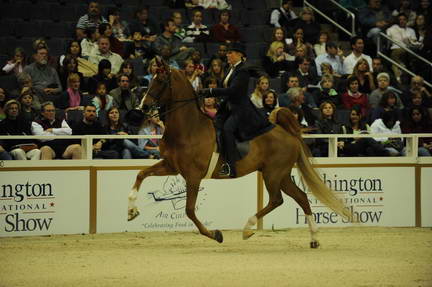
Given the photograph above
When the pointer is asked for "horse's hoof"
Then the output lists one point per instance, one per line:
(133, 213)
(314, 244)
(247, 234)
(218, 236)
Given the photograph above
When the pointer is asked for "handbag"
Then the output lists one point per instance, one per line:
(25, 147)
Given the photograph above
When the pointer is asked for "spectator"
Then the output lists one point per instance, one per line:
(14, 125)
(224, 31)
(365, 77)
(310, 28)
(374, 19)
(116, 46)
(104, 52)
(406, 38)
(72, 98)
(89, 125)
(139, 48)
(357, 45)
(353, 97)
(327, 70)
(388, 103)
(45, 79)
(262, 86)
(276, 60)
(210, 106)
(90, 20)
(177, 17)
(305, 72)
(378, 67)
(216, 71)
(269, 102)
(3, 100)
(128, 68)
(221, 54)
(416, 101)
(196, 31)
(417, 87)
(283, 16)
(89, 42)
(405, 8)
(104, 75)
(151, 70)
(293, 82)
(70, 66)
(420, 28)
(28, 112)
(327, 125)
(330, 57)
(388, 124)
(49, 125)
(120, 27)
(418, 122)
(25, 81)
(73, 49)
(179, 53)
(123, 97)
(326, 92)
(17, 63)
(425, 9)
(102, 101)
(41, 43)
(197, 60)
(152, 126)
(383, 86)
(212, 4)
(144, 24)
(166, 52)
(193, 75)
(297, 40)
(296, 98)
(320, 47)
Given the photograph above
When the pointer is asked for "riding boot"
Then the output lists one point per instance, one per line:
(230, 151)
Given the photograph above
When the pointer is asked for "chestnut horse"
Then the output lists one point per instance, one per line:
(189, 141)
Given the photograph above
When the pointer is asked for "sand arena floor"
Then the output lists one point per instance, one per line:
(358, 256)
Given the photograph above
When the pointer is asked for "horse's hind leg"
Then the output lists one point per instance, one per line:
(290, 189)
(159, 169)
(272, 183)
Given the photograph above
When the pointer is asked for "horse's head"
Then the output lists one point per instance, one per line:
(159, 90)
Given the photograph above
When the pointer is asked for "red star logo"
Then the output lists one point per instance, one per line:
(52, 204)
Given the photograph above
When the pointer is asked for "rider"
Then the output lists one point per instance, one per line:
(237, 115)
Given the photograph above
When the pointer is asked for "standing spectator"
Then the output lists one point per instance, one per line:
(104, 75)
(365, 77)
(116, 46)
(388, 124)
(123, 97)
(353, 97)
(383, 86)
(330, 57)
(72, 98)
(405, 8)
(374, 19)
(14, 125)
(276, 60)
(44, 78)
(224, 31)
(102, 101)
(144, 24)
(90, 20)
(310, 28)
(262, 86)
(406, 38)
(17, 63)
(104, 52)
(28, 112)
(283, 16)
(357, 45)
(120, 27)
(418, 122)
(197, 31)
(49, 125)
(320, 47)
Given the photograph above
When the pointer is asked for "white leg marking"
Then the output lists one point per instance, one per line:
(133, 195)
(312, 227)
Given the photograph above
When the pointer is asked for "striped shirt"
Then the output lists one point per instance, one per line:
(193, 32)
(85, 22)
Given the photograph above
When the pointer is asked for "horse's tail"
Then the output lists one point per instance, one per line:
(322, 192)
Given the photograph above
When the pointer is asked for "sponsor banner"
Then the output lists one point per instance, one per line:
(378, 196)
(426, 196)
(221, 204)
(44, 202)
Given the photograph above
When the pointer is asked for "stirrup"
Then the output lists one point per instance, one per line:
(225, 170)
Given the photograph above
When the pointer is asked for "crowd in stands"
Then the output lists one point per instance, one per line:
(96, 84)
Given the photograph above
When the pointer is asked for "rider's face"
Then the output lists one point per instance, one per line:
(233, 57)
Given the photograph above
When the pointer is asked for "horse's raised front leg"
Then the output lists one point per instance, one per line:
(192, 187)
(160, 169)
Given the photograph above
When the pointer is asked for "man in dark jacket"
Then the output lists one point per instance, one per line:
(237, 115)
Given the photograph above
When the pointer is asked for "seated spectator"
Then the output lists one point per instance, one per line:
(70, 66)
(283, 16)
(139, 48)
(73, 49)
(120, 27)
(17, 63)
(151, 70)
(224, 31)
(216, 71)
(296, 98)
(327, 125)
(425, 9)
(262, 86)
(179, 52)
(212, 4)
(359, 146)
(293, 82)
(177, 17)
(279, 34)
(28, 112)
(327, 70)
(14, 125)
(193, 75)
(104, 52)
(383, 86)
(49, 125)
(374, 18)
(276, 60)
(365, 78)
(388, 103)
(417, 86)
(89, 42)
(357, 45)
(388, 124)
(325, 92)
(320, 47)
(72, 98)
(210, 106)
(166, 54)
(39, 43)
(45, 79)
(378, 68)
(89, 125)
(305, 72)
(25, 81)
(91, 20)
(116, 46)
(123, 97)
(330, 57)
(297, 40)
(144, 24)
(102, 101)
(128, 68)
(418, 122)
(220, 54)
(197, 31)
(420, 28)
(104, 75)
(405, 8)
(152, 126)
(3, 100)
(353, 97)
(416, 101)
(310, 28)
(269, 102)
(197, 60)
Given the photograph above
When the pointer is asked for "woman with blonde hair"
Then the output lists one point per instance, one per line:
(276, 60)
(262, 86)
(72, 99)
(216, 70)
(365, 77)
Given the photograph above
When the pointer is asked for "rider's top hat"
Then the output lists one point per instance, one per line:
(238, 47)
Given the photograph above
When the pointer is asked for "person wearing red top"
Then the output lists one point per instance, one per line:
(353, 97)
(224, 31)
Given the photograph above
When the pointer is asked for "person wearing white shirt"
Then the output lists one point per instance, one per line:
(357, 45)
(48, 125)
(104, 52)
(386, 125)
(405, 37)
(283, 16)
(330, 57)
